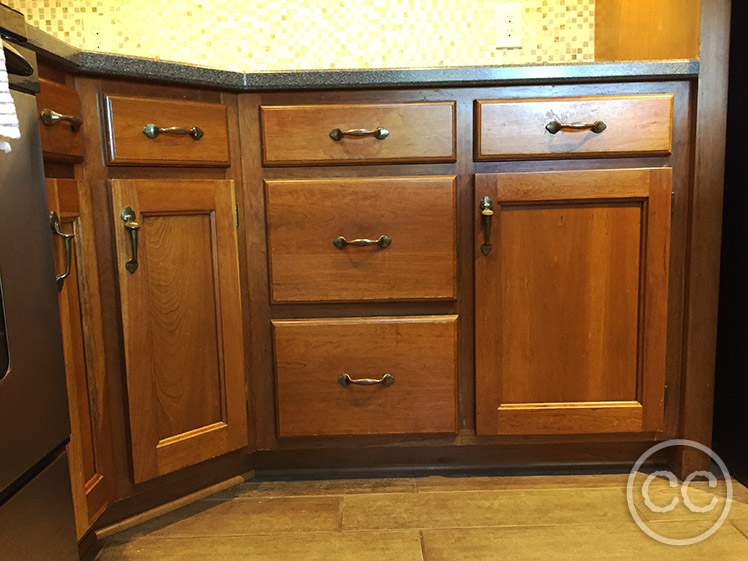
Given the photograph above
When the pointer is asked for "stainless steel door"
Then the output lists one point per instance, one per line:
(33, 399)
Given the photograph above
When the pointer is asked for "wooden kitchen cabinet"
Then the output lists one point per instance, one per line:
(181, 318)
(89, 450)
(571, 300)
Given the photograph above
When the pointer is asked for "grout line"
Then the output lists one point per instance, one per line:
(423, 546)
(741, 532)
(340, 514)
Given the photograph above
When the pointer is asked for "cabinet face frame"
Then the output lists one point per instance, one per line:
(156, 393)
(649, 188)
(90, 450)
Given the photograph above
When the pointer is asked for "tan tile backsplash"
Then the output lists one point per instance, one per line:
(318, 34)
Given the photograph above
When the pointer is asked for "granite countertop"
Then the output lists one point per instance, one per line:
(88, 62)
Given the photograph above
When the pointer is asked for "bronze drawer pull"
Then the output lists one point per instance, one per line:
(152, 131)
(382, 241)
(50, 117)
(345, 380)
(380, 133)
(128, 217)
(54, 222)
(486, 209)
(597, 127)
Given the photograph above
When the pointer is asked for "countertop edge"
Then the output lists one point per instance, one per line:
(121, 66)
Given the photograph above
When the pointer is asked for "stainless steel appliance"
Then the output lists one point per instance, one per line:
(36, 511)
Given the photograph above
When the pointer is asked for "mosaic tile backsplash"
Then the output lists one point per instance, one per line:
(318, 34)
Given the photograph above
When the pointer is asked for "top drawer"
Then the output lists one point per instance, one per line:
(358, 133)
(59, 122)
(567, 127)
(134, 125)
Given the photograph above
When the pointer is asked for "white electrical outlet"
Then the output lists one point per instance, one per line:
(509, 25)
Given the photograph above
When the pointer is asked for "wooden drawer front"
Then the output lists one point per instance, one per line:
(516, 129)
(300, 134)
(305, 217)
(418, 352)
(128, 144)
(61, 139)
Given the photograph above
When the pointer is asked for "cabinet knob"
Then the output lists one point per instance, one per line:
(382, 241)
(50, 118)
(128, 217)
(152, 131)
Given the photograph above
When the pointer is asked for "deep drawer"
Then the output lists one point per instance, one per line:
(312, 357)
(60, 122)
(203, 142)
(411, 218)
(510, 129)
(379, 133)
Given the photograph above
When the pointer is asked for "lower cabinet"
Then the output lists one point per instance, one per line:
(373, 375)
(571, 292)
(181, 313)
(89, 450)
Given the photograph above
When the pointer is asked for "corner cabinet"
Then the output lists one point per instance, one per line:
(181, 316)
(571, 292)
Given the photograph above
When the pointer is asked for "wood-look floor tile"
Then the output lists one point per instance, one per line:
(360, 546)
(254, 489)
(741, 524)
(484, 508)
(437, 484)
(243, 517)
(617, 542)
(662, 494)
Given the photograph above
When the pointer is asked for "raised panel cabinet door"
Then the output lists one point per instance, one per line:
(181, 313)
(89, 450)
(571, 301)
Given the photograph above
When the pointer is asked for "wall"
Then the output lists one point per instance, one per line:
(318, 34)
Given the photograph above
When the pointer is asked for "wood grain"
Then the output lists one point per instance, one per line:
(417, 214)
(418, 132)
(60, 143)
(89, 451)
(181, 313)
(573, 300)
(644, 30)
(511, 129)
(125, 118)
(419, 352)
(702, 288)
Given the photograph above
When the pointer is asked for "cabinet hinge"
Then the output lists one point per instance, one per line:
(236, 214)
(672, 202)
(666, 396)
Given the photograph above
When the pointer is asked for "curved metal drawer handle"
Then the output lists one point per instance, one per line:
(67, 239)
(152, 131)
(380, 133)
(128, 217)
(345, 380)
(597, 127)
(382, 241)
(50, 117)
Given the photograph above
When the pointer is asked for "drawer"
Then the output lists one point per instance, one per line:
(60, 122)
(411, 219)
(303, 134)
(512, 129)
(314, 397)
(203, 140)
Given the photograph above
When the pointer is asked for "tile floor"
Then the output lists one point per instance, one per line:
(527, 518)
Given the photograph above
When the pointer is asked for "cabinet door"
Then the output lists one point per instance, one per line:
(181, 315)
(89, 450)
(571, 301)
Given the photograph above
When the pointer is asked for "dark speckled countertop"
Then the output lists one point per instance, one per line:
(133, 67)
